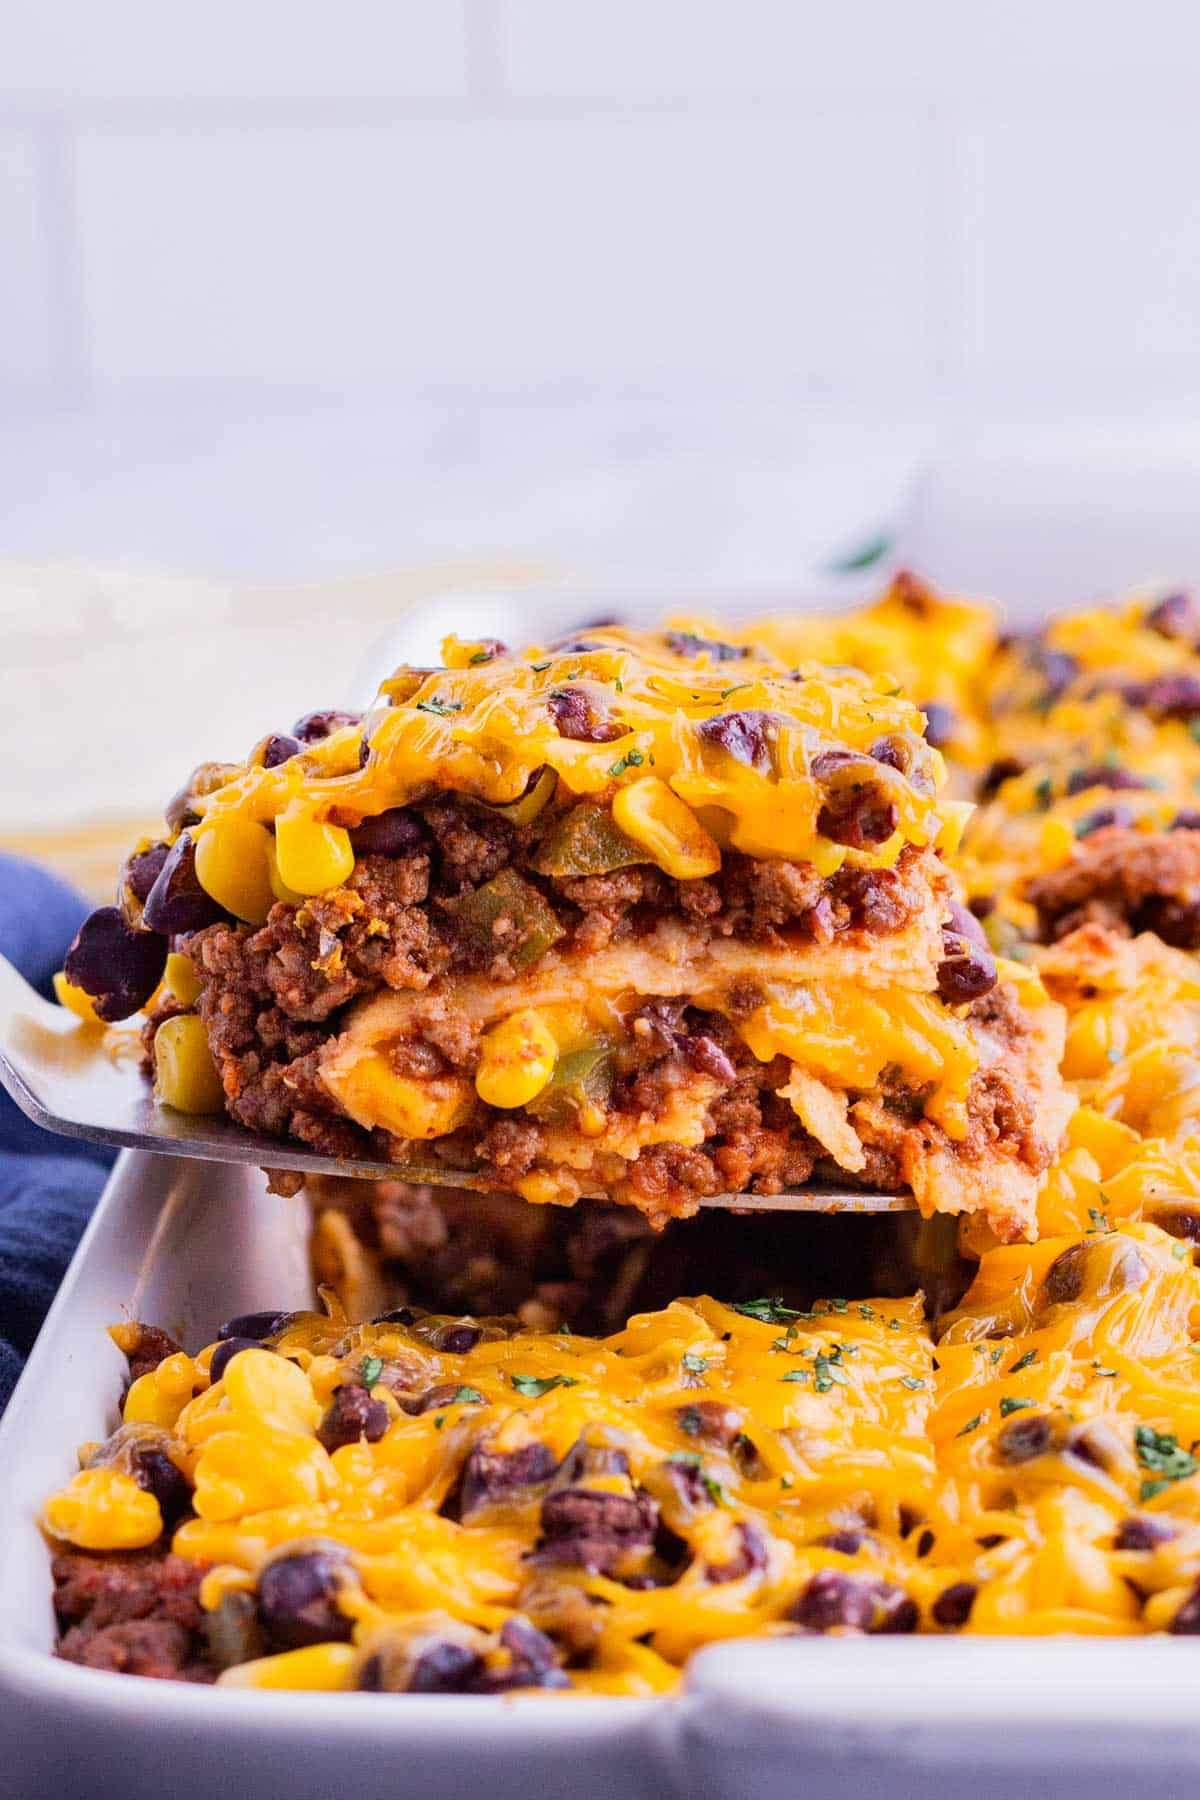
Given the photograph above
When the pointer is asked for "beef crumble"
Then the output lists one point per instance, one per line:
(136, 1612)
(1129, 881)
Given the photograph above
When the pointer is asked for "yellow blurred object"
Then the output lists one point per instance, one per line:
(233, 865)
(323, 1667)
(516, 1059)
(180, 979)
(373, 1094)
(311, 856)
(104, 1509)
(649, 813)
(75, 1000)
(185, 1075)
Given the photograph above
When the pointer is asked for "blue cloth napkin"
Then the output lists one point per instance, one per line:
(48, 1184)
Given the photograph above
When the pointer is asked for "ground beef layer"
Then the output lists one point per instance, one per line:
(1128, 881)
(134, 1612)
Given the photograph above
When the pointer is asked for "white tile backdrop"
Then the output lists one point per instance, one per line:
(860, 197)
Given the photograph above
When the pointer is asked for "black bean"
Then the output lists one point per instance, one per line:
(297, 1600)
(857, 811)
(1187, 819)
(1175, 616)
(533, 1662)
(256, 1325)
(492, 1475)
(578, 717)
(203, 780)
(967, 971)
(686, 643)
(225, 1352)
(1005, 768)
(588, 1457)
(966, 924)
(903, 751)
(153, 1470)
(279, 748)
(847, 1539)
(445, 1668)
(396, 832)
(177, 902)
(400, 1315)
(941, 722)
(1186, 1622)
(749, 737)
(118, 966)
(1176, 922)
(1023, 1438)
(442, 1394)
(141, 871)
(594, 1529)
(1138, 1533)
(352, 1414)
(1104, 775)
(1103, 818)
(952, 1607)
(456, 1340)
(1064, 1278)
(1166, 696)
(749, 1555)
(832, 1602)
(317, 725)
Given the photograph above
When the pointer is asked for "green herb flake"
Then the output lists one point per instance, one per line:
(1010, 1404)
(866, 1311)
(1023, 1362)
(467, 1396)
(713, 1489)
(785, 1481)
(1099, 1219)
(826, 1371)
(534, 1386)
(839, 1306)
(736, 689)
(481, 656)
(1164, 1456)
(370, 1368)
(540, 668)
(796, 1375)
(913, 1383)
(767, 1312)
(1101, 1370)
(970, 1425)
(895, 1325)
(439, 1421)
(439, 708)
(1180, 1252)
(695, 1365)
(686, 1459)
(632, 759)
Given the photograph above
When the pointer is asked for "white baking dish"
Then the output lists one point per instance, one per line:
(184, 1246)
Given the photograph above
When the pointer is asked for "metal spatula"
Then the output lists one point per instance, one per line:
(83, 1083)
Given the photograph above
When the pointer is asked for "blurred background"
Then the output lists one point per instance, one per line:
(313, 314)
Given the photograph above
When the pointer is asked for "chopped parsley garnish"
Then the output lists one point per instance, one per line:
(1010, 1404)
(370, 1368)
(695, 1365)
(736, 689)
(632, 759)
(1099, 1219)
(1043, 792)
(1102, 1371)
(713, 1489)
(1161, 1453)
(481, 656)
(686, 1459)
(1180, 1251)
(534, 1386)
(563, 1331)
(866, 1311)
(767, 1312)
(826, 1371)
(785, 1481)
(895, 1325)
(1023, 1362)
(796, 1375)
(619, 684)
(690, 1421)
(540, 668)
(913, 1383)
(439, 707)
(970, 1425)
(467, 1396)
(439, 1421)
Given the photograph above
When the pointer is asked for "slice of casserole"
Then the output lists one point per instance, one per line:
(649, 916)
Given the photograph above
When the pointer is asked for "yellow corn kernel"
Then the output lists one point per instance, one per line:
(232, 864)
(955, 815)
(648, 812)
(75, 1000)
(311, 856)
(270, 1389)
(1056, 844)
(102, 1509)
(185, 1075)
(279, 887)
(516, 1059)
(176, 1375)
(149, 1403)
(181, 979)
(256, 1470)
(1097, 1037)
(323, 1667)
(373, 1094)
